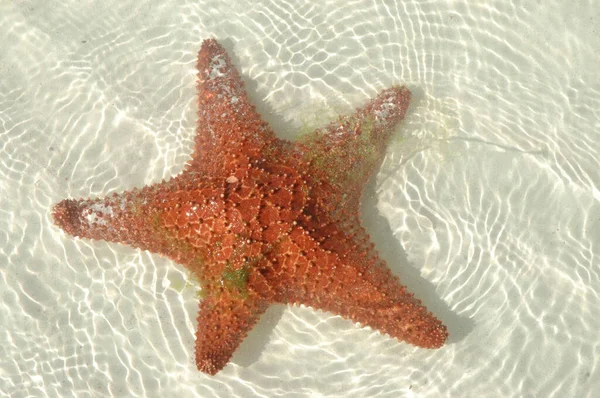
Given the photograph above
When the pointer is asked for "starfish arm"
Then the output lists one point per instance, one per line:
(224, 321)
(376, 298)
(343, 155)
(230, 132)
(346, 277)
(146, 218)
(109, 218)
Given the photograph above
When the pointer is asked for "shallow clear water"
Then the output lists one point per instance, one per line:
(487, 205)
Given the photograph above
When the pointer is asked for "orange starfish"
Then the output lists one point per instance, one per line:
(260, 220)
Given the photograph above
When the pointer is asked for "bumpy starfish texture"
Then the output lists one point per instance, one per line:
(260, 220)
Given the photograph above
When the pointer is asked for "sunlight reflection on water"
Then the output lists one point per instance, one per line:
(486, 205)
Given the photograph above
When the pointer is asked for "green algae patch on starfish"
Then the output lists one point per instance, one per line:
(366, 147)
(185, 249)
(156, 222)
(347, 162)
(236, 279)
(201, 293)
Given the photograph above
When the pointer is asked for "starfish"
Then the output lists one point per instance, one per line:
(260, 220)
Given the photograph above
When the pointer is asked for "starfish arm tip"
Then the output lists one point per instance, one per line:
(224, 321)
(65, 215)
(211, 363)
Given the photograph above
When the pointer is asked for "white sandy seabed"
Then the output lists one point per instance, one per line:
(487, 204)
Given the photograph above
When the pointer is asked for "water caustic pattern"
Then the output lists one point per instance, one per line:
(487, 203)
(259, 220)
